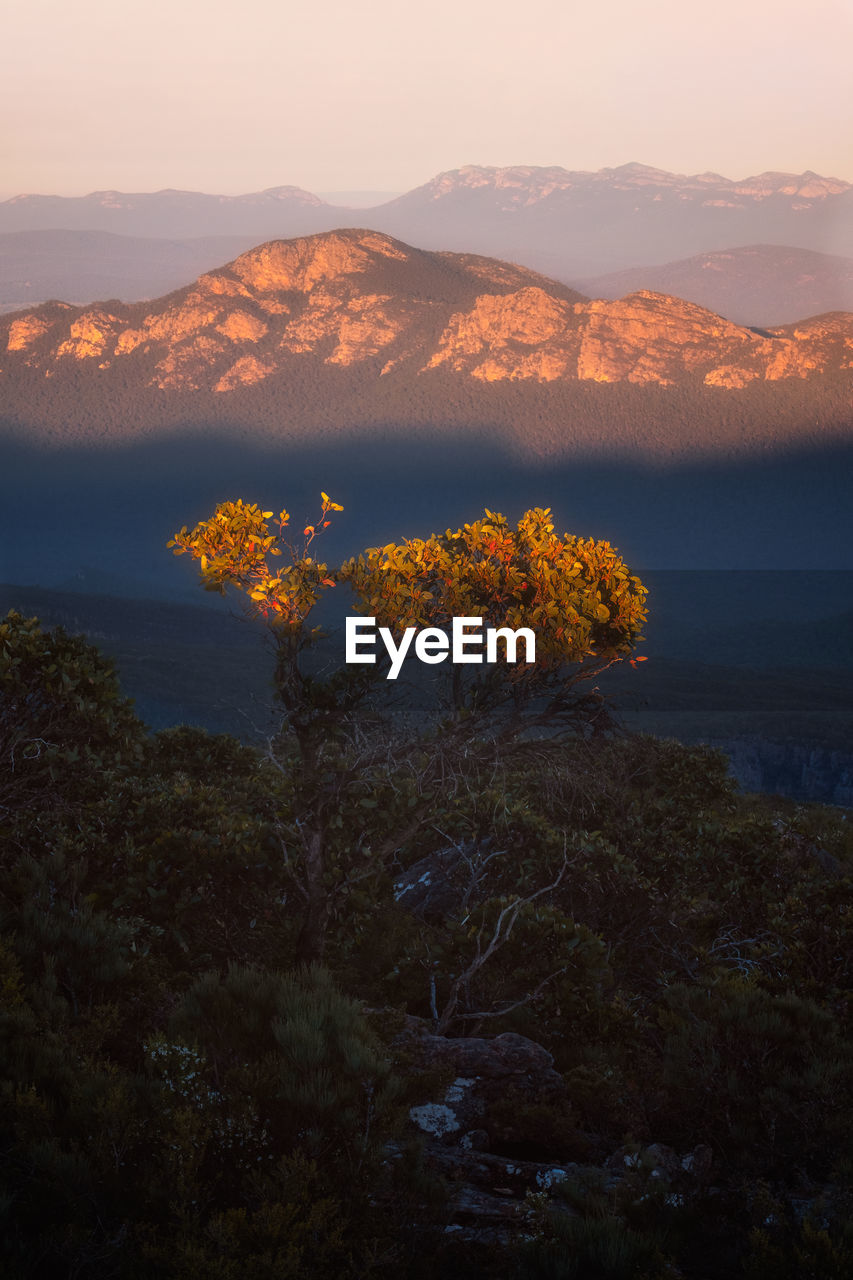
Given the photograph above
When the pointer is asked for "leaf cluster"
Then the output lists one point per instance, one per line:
(575, 593)
(236, 547)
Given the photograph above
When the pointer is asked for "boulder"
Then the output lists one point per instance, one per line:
(447, 881)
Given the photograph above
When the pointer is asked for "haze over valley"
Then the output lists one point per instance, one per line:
(791, 234)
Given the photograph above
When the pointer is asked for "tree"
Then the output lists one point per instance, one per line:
(339, 759)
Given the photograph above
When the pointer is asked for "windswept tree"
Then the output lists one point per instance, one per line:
(338, 759)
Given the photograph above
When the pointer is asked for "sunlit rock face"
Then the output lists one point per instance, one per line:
(359, 326)
(299, 265)
(643, 338)
(648, 337)
(23, 333)
(526, 334)
(349, 298)
(244, 372)
(91, 334)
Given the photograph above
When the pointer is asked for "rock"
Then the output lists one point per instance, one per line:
(446, 881)
(458, 1110)
(504, 1094)
(475, 1140)
(661, 1161)
(473, 1203)
(504, 1056)
(488, 1075)
(436, 1118)
(799, 770)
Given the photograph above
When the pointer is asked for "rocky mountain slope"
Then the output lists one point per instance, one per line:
(362, 300)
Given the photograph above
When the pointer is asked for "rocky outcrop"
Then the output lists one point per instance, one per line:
(484, 1072)
(463, 1125)
(525, 334)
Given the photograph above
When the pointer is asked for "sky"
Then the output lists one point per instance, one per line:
(380, 95)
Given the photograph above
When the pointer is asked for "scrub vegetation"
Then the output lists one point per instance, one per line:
(221, 965)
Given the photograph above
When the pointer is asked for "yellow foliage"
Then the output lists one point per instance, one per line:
(234, 548)
(577, 594)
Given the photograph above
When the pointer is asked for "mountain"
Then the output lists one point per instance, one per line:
(757, 284)
(174, 214)
(574, 224)
(353, 328)
(569, 224)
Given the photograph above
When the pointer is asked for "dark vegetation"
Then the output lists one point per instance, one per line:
(183, 1096)
(307, 400)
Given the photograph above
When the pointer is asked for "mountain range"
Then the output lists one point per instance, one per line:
(572, 225)
(358, 327)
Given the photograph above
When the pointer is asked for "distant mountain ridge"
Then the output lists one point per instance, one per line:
(529, 184)
(410, 334)
(753, 285)
(514, 187)
(572, 224)
(169, 213)
(568, 223)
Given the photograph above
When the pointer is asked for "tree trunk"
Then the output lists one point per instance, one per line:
(311, 945)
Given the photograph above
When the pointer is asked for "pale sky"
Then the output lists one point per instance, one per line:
(137, 95)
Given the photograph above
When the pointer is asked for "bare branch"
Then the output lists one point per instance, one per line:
(501, 933)
(516, 1004)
